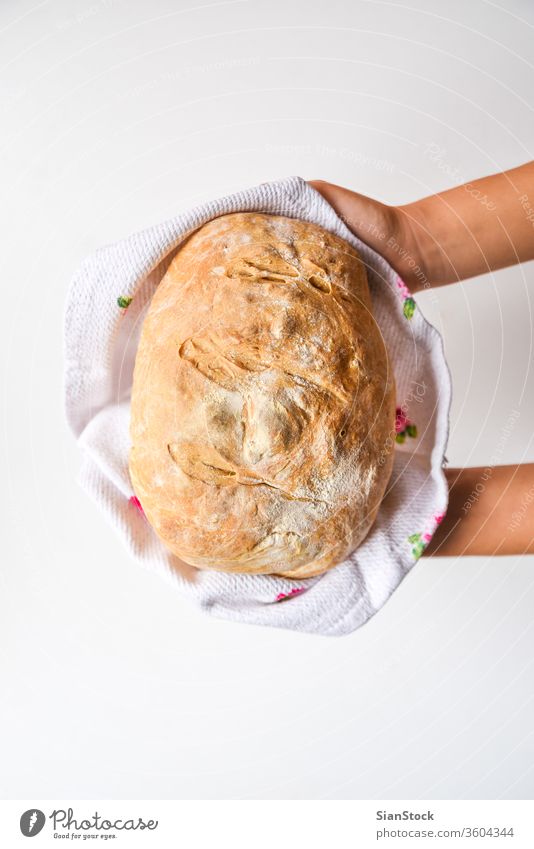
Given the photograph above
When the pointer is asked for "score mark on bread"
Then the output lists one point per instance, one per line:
(205, 464)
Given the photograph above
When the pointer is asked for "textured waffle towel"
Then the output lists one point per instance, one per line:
(107, 301)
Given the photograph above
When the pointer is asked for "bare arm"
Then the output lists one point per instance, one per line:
(491, 511)
(446, 237)
(477, 227)
(466, 231)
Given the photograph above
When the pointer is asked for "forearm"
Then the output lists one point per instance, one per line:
(474, 228)
(491, 511)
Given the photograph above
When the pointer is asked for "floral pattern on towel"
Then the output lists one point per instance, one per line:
(420, 539)
(403, 426)
(137, 504)
(291, 593)
(409, 304)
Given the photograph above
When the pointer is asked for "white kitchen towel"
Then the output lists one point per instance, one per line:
(107, 302)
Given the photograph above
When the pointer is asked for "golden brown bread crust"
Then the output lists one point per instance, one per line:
(262, 402)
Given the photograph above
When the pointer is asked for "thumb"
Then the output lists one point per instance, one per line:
(368, 219)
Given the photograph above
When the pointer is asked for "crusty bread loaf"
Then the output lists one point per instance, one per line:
(263, 400)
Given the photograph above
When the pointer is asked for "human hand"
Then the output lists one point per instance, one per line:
(491, 511)
(386, 229)
(453, 235)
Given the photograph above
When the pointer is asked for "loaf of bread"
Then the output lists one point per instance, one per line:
(263, 400)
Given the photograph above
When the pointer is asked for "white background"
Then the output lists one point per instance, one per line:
(116, 115)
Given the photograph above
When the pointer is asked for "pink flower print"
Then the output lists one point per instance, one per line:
(401, 285)
(291, 593)
(400, 420)
(137, 504)
(437, 519)
(419, 541)
(403, 426)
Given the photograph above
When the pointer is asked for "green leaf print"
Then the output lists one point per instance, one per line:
(409, 307)
(418, 544)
